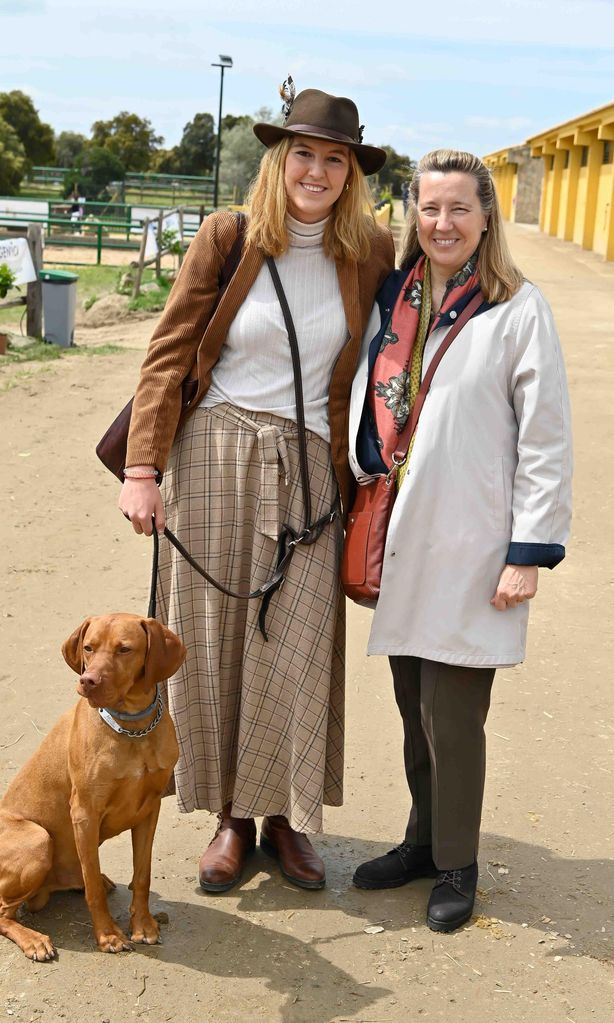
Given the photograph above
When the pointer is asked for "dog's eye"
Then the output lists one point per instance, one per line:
(87, 649)
(125, 650)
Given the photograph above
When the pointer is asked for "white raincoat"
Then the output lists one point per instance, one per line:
(491, 465)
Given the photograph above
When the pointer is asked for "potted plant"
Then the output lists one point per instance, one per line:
(7, 279)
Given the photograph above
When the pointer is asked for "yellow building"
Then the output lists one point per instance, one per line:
(517, 178)
(578, 183)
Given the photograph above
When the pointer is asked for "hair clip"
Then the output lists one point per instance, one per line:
(287, 91)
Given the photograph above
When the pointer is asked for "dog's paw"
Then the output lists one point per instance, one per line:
(39, 948)
(113, 941)
(145, 931)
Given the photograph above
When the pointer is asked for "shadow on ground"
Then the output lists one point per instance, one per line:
(230, 935)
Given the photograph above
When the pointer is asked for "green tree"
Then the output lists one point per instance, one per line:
(230, 120)
(242, 152)
(165, 161)
(69, 146)
(12, 159)
(129, 137)
(96, 169)
(36, 137)
(397, 169)
(196, 152)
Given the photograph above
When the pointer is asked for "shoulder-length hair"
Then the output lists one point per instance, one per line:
(349, 232)
(500, 278)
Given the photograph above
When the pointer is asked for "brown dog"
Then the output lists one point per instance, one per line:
(88, 782)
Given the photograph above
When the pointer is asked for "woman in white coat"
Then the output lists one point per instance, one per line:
(483, 503)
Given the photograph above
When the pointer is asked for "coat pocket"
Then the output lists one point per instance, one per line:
(501, 498)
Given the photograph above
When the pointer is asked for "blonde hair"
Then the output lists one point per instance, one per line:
(351, 225)
(500, 278)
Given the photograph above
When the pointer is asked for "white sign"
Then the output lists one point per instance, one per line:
(16, 254)
(151, 245)
(171, 223)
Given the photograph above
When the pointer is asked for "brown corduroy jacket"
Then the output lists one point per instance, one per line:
(188, 333)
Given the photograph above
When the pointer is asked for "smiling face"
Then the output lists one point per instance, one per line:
(449, 220)
(315, 174)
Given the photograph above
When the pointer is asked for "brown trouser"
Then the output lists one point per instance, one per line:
(444, 708)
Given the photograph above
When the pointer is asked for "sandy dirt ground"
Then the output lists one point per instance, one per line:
(540, 945)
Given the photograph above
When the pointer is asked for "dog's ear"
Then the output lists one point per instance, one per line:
(72, 648)
(165, 652)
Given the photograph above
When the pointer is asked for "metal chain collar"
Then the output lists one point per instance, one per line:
(105, 714)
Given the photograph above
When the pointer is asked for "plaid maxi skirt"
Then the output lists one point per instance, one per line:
(260, 724)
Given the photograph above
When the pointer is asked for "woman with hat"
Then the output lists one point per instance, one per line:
(483, 502)
(258, 703)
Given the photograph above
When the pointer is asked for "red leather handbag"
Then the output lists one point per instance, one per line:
(367, 525)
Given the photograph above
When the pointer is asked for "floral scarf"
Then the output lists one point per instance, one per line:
(397, 370)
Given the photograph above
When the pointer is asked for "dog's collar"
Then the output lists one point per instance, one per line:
(108, 715)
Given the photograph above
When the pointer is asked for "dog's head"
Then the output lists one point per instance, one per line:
(121, 657)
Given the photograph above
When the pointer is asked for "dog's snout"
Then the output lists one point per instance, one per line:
(90, 680)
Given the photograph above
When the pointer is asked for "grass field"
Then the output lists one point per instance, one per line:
(93, 283)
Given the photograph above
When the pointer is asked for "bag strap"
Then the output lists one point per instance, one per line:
(234, 256)
(400, 452)
(298, 387)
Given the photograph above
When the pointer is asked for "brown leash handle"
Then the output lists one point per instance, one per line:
(400, 453)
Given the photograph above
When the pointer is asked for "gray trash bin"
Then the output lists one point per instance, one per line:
(59, 305)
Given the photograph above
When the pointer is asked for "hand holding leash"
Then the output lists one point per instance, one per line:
(140, 502)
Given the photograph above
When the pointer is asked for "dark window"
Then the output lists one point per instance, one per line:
(566, 160)
(607, 152)
(584, 160)
(549, 163)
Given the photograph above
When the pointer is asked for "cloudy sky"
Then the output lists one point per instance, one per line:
(469, 74)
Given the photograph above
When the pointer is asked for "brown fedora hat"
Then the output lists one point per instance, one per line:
(322, 116)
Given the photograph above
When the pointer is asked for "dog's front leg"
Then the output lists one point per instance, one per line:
(86, 828)
(143, 927)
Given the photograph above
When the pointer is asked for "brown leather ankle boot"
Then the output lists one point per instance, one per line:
(298, 860)
(221, 864)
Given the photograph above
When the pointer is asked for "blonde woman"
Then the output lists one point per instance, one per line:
(260, 721)
(483, 503)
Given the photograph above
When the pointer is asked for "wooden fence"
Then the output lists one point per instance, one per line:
(139, 264)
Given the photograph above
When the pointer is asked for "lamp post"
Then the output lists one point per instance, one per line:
(224, 62)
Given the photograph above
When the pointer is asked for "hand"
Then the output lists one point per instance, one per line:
(139, 500)
(517, 583)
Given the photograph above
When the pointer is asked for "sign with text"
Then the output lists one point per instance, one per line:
(16, 254)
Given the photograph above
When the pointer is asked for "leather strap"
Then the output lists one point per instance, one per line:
(311, 531)
(400, 452)
(298, 387)
(234, 256)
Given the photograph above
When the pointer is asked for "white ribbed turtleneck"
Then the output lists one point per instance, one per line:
(254, 370)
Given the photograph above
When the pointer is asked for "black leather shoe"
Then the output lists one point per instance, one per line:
(402, 864)
(452, 898)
